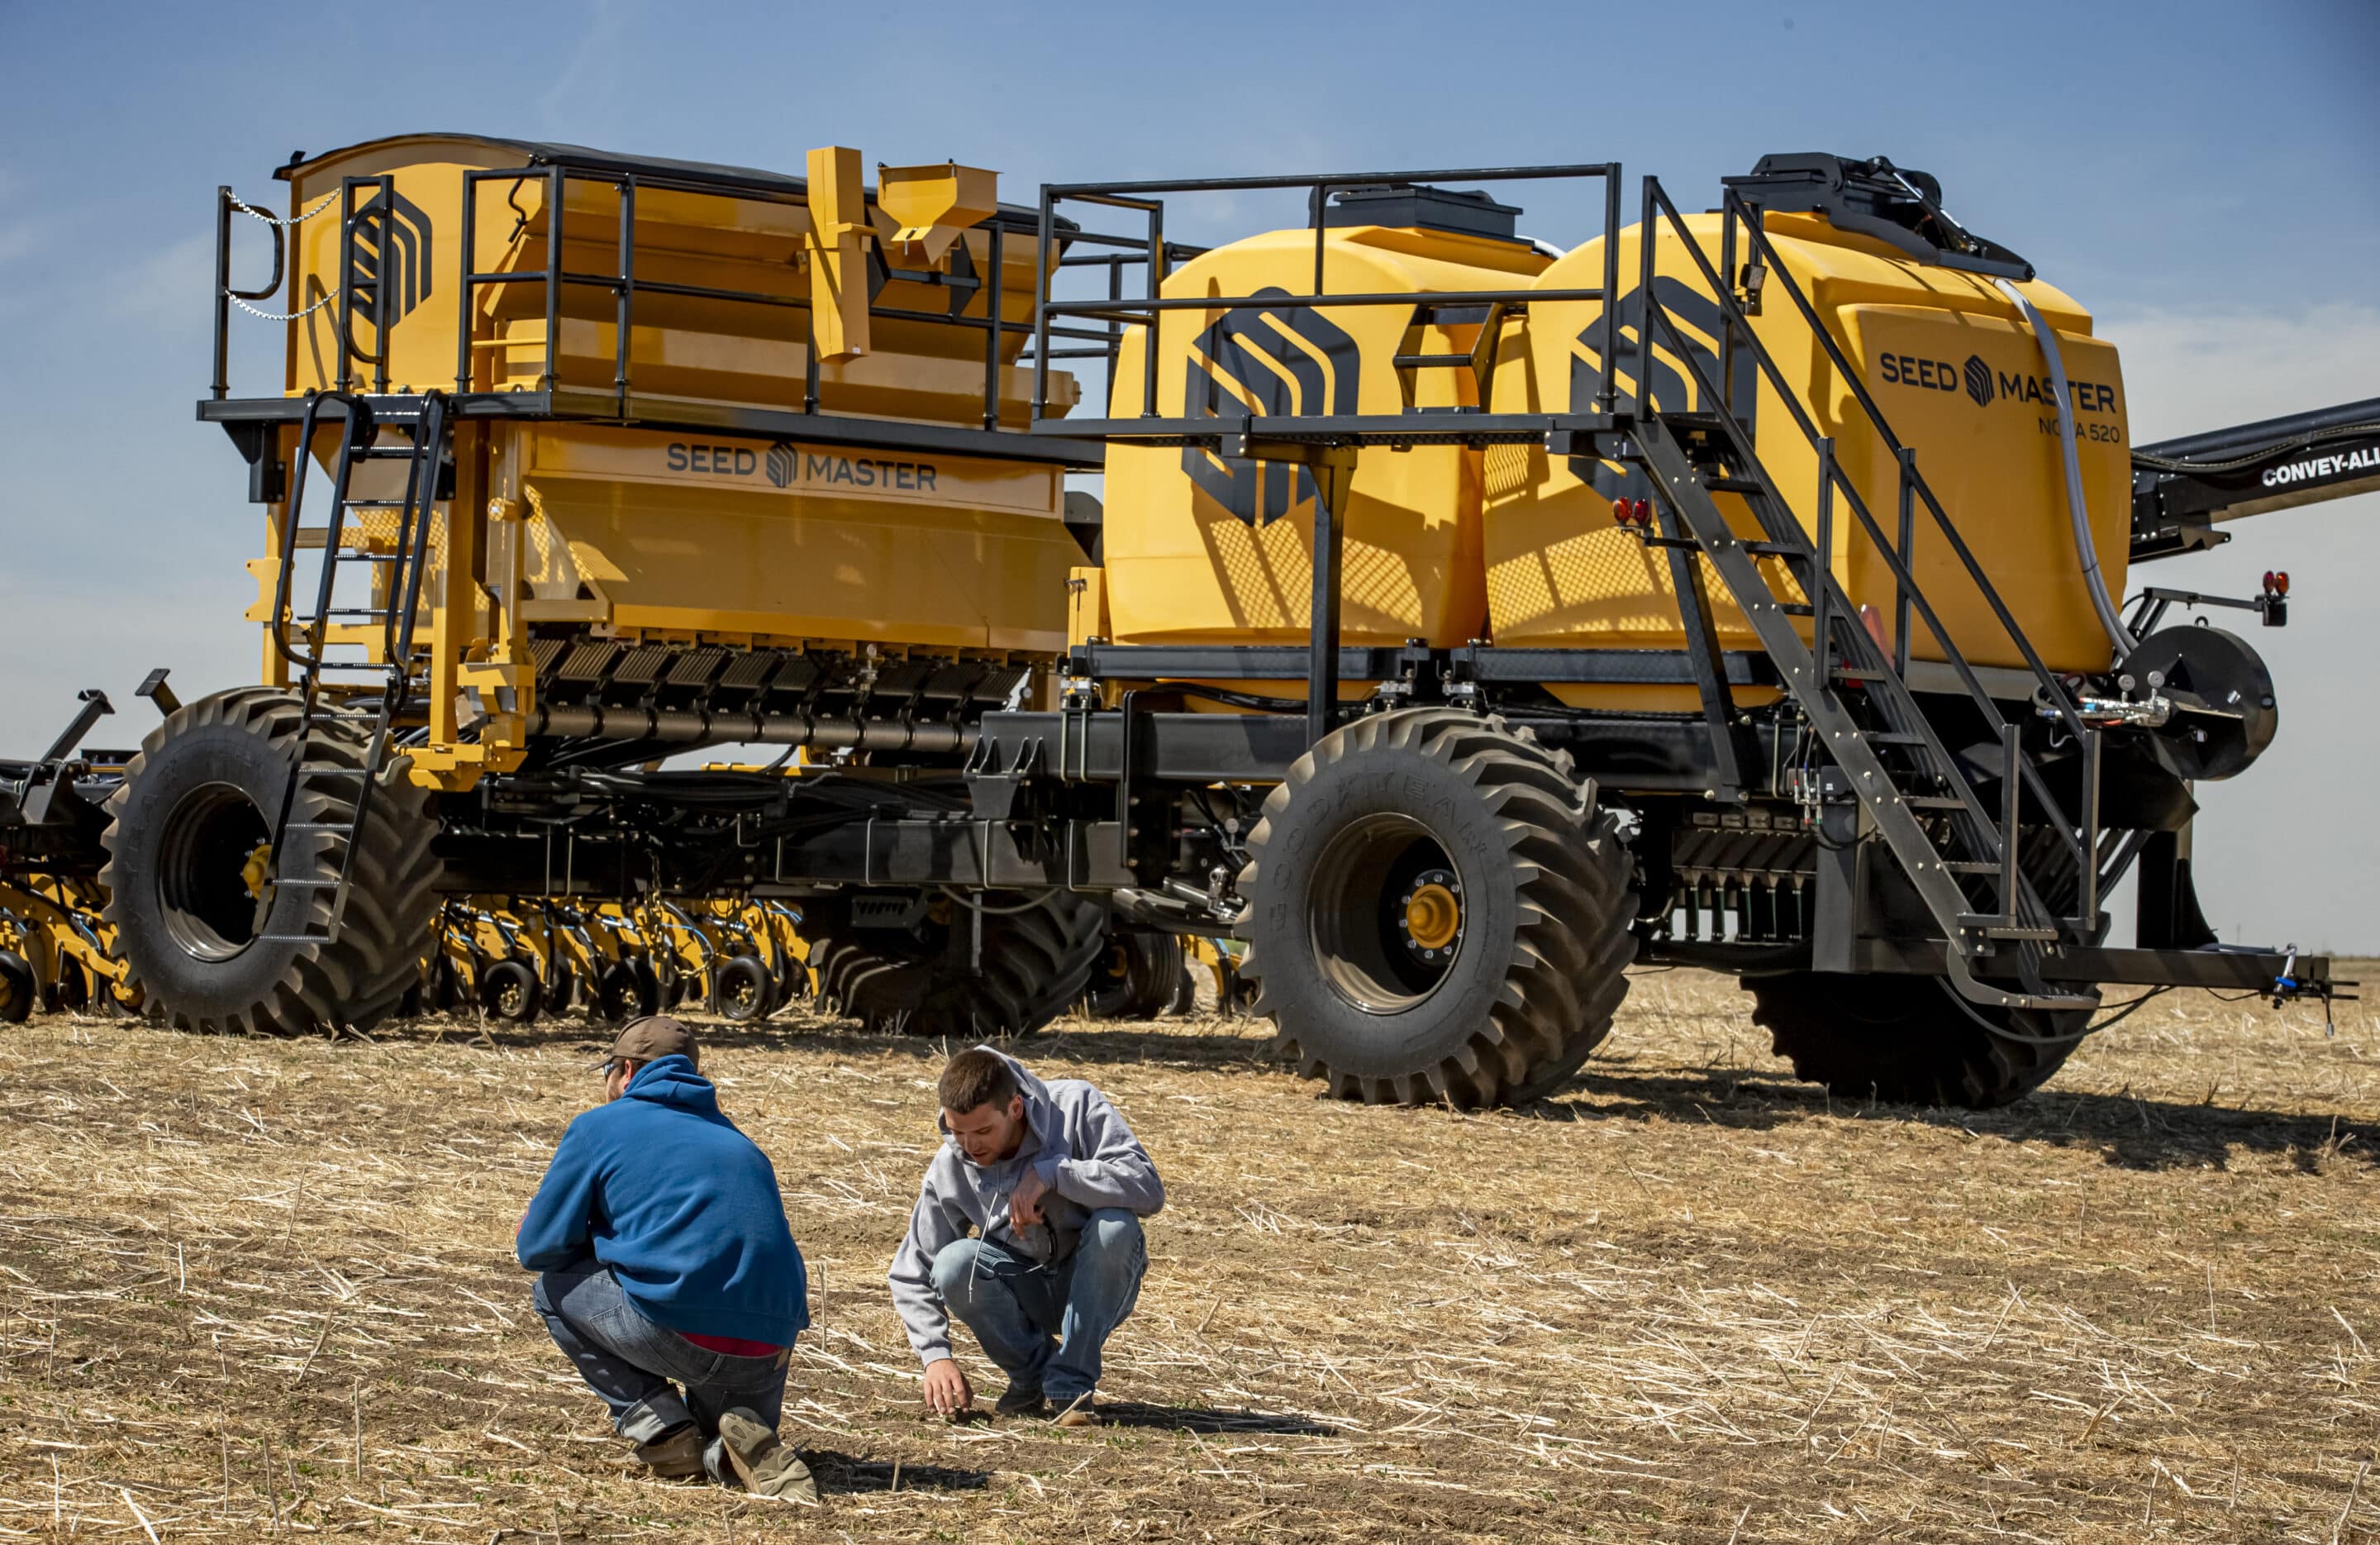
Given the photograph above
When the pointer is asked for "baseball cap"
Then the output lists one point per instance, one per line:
(651, 1035)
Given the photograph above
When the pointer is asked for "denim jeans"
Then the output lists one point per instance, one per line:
(1045, 1324)
(638, 1366)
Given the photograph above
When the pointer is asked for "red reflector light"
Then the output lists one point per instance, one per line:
(2281, 582)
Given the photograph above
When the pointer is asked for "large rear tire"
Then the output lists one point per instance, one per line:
(186, 860)
(1438, 912)
(913, 977)
(1907, 1039)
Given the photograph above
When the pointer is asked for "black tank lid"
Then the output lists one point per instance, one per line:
(1418, 207)
(1875, 197)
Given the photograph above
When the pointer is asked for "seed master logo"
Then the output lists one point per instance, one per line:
(391, 250)
(1984, 385)
(1979, 381)
(1256, 359)
(783, 465)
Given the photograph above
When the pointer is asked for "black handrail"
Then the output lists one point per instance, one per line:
(219, 387)
(625, 286)
(1157, 254)
(355, 431)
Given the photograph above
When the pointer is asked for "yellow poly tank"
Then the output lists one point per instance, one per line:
(1202, 550)
(1959, 375)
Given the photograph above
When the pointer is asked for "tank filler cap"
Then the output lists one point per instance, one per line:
(1878, 199)
(1414, 206)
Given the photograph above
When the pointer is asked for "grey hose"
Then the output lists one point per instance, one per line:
(2077, 510)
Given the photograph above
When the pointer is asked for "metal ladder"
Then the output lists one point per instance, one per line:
(304, 638)
(1959, 855)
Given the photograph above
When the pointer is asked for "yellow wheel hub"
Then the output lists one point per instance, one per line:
(257, 873)
(1433, 915)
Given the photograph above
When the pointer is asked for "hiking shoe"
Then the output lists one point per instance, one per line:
(766, 1467)
(1021, 1402)
(1084, 1412)
(676, 1454)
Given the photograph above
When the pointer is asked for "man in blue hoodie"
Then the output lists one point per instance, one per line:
(666, 1265)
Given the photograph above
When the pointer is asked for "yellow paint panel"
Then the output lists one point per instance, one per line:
(696, 536)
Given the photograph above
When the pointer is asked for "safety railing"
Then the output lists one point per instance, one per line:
(624, 284)
(365, 292)
(1150, 251)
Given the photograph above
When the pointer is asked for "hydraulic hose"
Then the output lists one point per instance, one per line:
(2077, 511)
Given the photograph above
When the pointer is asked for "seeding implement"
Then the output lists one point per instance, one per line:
(1466, 620)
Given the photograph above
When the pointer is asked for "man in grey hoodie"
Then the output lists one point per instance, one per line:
(1053, 1185)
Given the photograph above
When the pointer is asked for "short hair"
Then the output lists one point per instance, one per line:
(977, 1078)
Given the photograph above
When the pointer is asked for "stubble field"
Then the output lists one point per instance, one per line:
(257, 1289)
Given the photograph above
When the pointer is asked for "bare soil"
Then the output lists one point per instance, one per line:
(258, 1288)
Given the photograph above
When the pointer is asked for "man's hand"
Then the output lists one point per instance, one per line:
(1025, 1202)
(947, 1392)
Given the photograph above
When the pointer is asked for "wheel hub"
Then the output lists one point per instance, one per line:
(1432, 920)
(257, 873)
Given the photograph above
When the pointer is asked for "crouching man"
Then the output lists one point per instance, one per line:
(668, 1274)
(1053, 1186)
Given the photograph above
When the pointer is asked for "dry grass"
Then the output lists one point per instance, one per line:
(249, 1288)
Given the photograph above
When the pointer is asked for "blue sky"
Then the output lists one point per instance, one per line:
(2197, 173)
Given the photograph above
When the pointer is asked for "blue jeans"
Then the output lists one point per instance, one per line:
(638, 1366)
(1045, 1324)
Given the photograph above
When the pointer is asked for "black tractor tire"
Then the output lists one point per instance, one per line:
(741, 989)
(1038, 953)
(509, 990)
(626, 989)
(1497, 988)
(562, 993)
(195, 804)
(16, 992)
(1138, 974)
(1909, 1040)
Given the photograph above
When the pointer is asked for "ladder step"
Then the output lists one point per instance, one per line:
(1859, 673)
(308, 884)
(334, 773)
(1990, 928)
(1796, 608)
(1961, 865)
(294, 938)
(1778, 549)
(320, 826)
(1934, 802)
(1732, 485)
(1894, 738)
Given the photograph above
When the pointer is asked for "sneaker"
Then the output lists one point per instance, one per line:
(766, 1467)
(1081, 1411)
(1021, 1402)
(676, 1454)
